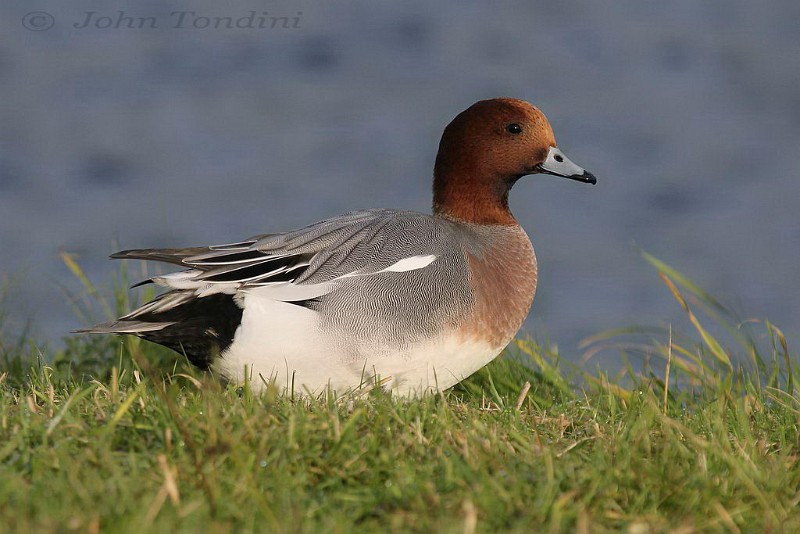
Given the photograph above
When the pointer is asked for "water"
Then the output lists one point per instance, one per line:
(688, 114)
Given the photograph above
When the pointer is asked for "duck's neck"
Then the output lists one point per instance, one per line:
(470, 196)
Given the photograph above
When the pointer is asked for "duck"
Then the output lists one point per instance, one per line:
(409, 302)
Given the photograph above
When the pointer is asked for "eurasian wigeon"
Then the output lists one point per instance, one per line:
(412, 301)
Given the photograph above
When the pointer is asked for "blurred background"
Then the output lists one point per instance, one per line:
(129, 124)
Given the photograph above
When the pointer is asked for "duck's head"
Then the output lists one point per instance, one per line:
(485, 150)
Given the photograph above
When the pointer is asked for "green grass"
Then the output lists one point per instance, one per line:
(115, 435)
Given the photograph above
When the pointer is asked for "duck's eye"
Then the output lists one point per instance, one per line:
(514, 128)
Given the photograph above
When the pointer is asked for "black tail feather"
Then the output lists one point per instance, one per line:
(201, 328)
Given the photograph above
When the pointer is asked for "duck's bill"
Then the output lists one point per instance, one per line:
(558, 164)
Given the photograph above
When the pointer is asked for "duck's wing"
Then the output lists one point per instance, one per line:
(348, 245)
(295, 266)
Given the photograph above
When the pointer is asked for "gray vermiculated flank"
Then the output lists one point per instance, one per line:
(394, 308)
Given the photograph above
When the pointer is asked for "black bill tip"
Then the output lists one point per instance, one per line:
(586, 177)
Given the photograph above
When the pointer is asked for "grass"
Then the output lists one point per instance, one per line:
(115, 435)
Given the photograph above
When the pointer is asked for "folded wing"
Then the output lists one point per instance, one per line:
(202, 307)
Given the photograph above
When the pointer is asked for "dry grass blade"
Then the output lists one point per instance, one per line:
(522, 395)
(667, 370)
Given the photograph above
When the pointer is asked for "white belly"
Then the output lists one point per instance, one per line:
(282, 343)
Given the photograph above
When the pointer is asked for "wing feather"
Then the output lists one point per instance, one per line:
(352, 244)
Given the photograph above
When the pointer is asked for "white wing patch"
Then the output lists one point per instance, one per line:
(406, 264)
(289, 292)
(410, 264)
